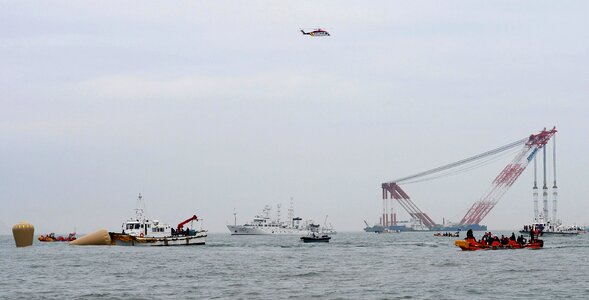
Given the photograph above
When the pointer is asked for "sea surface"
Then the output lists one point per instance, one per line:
(352, 266)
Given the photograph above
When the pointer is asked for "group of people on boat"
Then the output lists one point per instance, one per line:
(449, 234)
(491, 240)
(538, 227)
(183, 232)
(51, 238)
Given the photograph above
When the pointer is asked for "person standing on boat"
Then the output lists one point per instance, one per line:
(470, 237)
(469, 234)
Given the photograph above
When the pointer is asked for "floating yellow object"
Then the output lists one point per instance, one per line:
(97, 238)
(23, 233)
(461, 244)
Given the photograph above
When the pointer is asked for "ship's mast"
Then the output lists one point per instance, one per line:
(535, 192)
(545, 189)
(267, 212)
(140, 208)
(291, 213)
(278, 213)
(554, 188)
(384, 212)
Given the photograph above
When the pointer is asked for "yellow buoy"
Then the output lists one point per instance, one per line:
(23, 233)
(100, 237)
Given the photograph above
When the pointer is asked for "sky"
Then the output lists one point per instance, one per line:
(206, 107)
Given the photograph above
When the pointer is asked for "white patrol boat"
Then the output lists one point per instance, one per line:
(264, 225)
(547, 228)
(141, 231)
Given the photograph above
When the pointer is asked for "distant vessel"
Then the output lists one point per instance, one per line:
(548, 228)
(447, 234)
(387, 230)
(141, 231)
(315, 236)
(264, 225)
(415, 225)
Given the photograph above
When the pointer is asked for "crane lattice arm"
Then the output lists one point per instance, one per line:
(507, 177)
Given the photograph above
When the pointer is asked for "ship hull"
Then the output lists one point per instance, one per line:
(402, 228)
(259, 230)
(307, 239)
(552, 233)
(127, 240)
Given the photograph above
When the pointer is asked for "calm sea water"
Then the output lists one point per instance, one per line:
(351, 266)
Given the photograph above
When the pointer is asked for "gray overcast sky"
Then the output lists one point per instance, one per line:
(206, 106)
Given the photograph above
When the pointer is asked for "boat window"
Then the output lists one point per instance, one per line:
(136, 226)
(141, 225)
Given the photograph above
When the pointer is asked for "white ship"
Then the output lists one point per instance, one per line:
(264, 225)
(547, 228)
(141, 231)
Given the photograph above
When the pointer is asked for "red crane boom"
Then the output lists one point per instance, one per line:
(181, 225)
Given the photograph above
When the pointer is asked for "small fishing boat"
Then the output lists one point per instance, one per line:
(315, 236)
(387, 230)
(316, 239)
(447, 234)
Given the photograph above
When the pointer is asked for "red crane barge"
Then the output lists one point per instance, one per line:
(391, 191)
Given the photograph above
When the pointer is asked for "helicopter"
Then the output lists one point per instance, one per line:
(316, 32)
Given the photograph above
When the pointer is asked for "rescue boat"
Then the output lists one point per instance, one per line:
(473, 245)
(51, 238)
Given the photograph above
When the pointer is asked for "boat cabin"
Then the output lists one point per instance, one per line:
(147, 228)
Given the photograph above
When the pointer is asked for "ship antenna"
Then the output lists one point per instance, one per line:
(291, 213)
(234, 217)
(554, 187)
(140, 207)
(278, 212)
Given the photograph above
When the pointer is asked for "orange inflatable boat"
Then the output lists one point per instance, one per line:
(472, 245)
